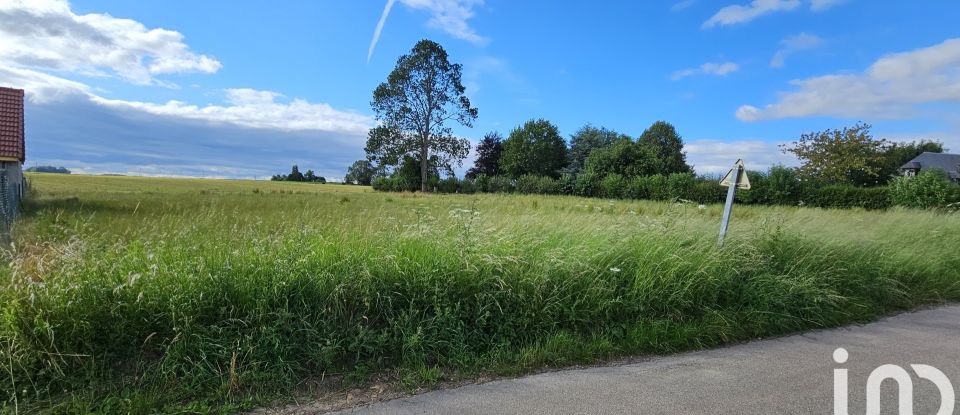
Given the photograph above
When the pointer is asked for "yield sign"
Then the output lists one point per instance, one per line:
(738, 173)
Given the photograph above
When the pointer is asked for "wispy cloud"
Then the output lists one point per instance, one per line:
(379, 28)
(47, 34)
(450, 16)
(709, 68)
(737, 14)
(893, 87)
(820, 5)
(792, 44)
(682, 5)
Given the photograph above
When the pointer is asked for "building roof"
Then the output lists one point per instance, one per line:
(11, 123)
(949, 163)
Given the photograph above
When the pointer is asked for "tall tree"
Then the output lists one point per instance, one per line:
(295, 175)
(534, 148)
(488, 156)
(667, 145)
(360, 172)
(847, 156)
(421, 95)
(625, 157)
(587, 139)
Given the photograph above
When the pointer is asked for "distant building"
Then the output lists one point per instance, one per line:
(949, 163)
(12, 152)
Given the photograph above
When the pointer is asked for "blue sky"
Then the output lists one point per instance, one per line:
(245, 89)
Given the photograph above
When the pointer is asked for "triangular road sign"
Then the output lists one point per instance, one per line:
(743, 182)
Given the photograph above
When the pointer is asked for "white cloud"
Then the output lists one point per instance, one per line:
(795, 43)
(713, 157)
(47, 34)
(450, 16)
(257, 109)
(709, 68)
(40, 87)
(244, 107)
(892, 87)
(820, 5)
(682, 5)
(379, 28)
(736, 13)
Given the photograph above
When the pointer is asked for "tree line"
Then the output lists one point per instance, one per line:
(296, 176)
(413, 146)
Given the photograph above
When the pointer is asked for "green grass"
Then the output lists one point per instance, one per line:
(141, 295)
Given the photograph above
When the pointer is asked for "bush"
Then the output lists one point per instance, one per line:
(929, 189)
(531, 184)
(783, 186)
(567, 183)
(482, 183)
(500, 184)
(847, 196)
(613, 186)
(707, 191)
(680, 185)
(467, 186)
(381, 183)
(448, 185)
(587, 184)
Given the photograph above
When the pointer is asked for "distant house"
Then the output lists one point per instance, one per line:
(12, 152)
(949, 163)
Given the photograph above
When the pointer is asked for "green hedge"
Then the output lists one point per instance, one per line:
(778, 187)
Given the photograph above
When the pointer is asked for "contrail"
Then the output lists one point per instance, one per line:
(376, 32)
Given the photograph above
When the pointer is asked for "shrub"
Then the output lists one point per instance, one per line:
(500, 184)
(467, 186)
(567, 184)
(847, 196)
(542, 185)
(381, 183)
(448, 185)
(680, 185)
(783, 186)
(929, 189)
(482, 183)
(587, 184)
(613, 186)
(637, 188)
(758, 192)
(707, 191)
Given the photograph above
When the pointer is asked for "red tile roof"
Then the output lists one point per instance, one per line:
(11, 123)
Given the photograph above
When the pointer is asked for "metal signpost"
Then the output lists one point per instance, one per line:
(735, 178)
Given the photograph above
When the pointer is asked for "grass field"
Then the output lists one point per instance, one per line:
(142, 295)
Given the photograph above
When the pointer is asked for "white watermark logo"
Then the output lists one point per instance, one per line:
(898, 375)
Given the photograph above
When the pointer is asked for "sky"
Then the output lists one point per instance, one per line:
(245, 89)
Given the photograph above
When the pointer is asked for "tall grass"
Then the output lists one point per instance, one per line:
(213, 295)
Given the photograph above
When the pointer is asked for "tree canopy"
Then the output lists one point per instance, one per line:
(667, 145)
(587, 139)
(534, 148)
(624, 157)
(421, 96)
(360, 172)
(850, 155)
(488, 156)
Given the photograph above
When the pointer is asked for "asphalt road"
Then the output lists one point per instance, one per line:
(790, 375)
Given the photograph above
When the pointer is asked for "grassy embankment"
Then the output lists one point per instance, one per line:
(135, 295)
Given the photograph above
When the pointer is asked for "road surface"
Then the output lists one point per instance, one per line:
(787, 375)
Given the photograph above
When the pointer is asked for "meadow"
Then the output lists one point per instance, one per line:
(145, 295)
